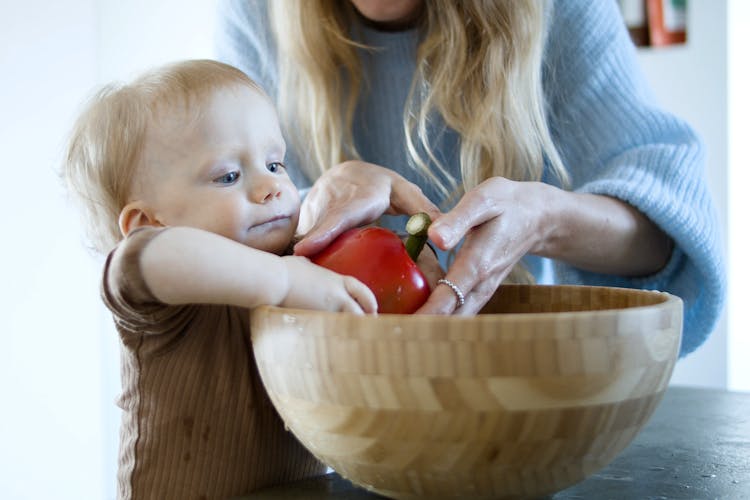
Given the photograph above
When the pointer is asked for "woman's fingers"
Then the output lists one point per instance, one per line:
(475, 274)
(442, 300)
(500, 222)
(349, 195)
(407, 198)
(332, 222)
(353, 194)
(476, 207)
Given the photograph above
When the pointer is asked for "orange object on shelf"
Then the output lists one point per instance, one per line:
(667, 21)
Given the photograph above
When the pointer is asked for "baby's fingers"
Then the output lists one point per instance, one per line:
(361, 294)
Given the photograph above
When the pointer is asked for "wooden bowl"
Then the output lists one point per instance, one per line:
(543, 388)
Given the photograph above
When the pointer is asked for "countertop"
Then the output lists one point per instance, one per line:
(695, 446)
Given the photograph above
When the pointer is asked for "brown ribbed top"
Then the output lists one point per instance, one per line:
(197, 423)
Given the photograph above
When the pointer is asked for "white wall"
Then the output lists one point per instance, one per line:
(691, 81)
(137, 34)
(739, 201)
(60, 374)
(134, 36)
(51, 432)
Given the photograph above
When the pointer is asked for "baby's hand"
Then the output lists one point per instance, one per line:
(314, 287)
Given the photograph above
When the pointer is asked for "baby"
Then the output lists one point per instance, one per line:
(182, 183)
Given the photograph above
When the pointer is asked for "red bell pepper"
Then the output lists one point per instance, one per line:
(379, 259)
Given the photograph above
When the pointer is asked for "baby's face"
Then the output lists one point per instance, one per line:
(221, 169)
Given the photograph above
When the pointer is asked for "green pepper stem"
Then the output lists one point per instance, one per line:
(416, 228)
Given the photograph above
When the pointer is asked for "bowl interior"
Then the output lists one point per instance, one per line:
(515, 299)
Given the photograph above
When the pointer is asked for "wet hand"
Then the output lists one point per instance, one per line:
(501, 221)
(352, 194)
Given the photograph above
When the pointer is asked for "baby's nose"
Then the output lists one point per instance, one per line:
(266, 190)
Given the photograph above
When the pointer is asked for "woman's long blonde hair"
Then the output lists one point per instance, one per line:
(479, 65)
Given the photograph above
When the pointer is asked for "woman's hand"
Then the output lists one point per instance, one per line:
(315, 287)
(351, 194)
(503, 220)
(429, 264)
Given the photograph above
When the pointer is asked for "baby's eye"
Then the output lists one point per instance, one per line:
(228, 178)
(275, 166)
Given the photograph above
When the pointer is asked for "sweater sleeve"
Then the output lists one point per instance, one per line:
(616, 141)
(243, 38)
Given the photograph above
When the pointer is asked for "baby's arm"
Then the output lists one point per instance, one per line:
(183, 265)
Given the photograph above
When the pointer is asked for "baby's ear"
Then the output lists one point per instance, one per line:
(134, 215)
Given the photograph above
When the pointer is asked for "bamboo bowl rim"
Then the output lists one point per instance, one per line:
(653, 301)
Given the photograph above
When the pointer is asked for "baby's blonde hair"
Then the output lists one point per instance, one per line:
(107, 140)
(479, 66)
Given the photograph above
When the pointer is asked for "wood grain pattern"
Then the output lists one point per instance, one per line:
(543, 388)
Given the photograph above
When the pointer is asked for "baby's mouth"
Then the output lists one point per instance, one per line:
(272, 223)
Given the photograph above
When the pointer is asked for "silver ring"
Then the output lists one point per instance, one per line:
(456, 290)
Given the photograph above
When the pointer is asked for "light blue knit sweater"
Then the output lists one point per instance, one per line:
(613, 138)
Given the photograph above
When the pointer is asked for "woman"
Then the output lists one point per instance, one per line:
(524, 128)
